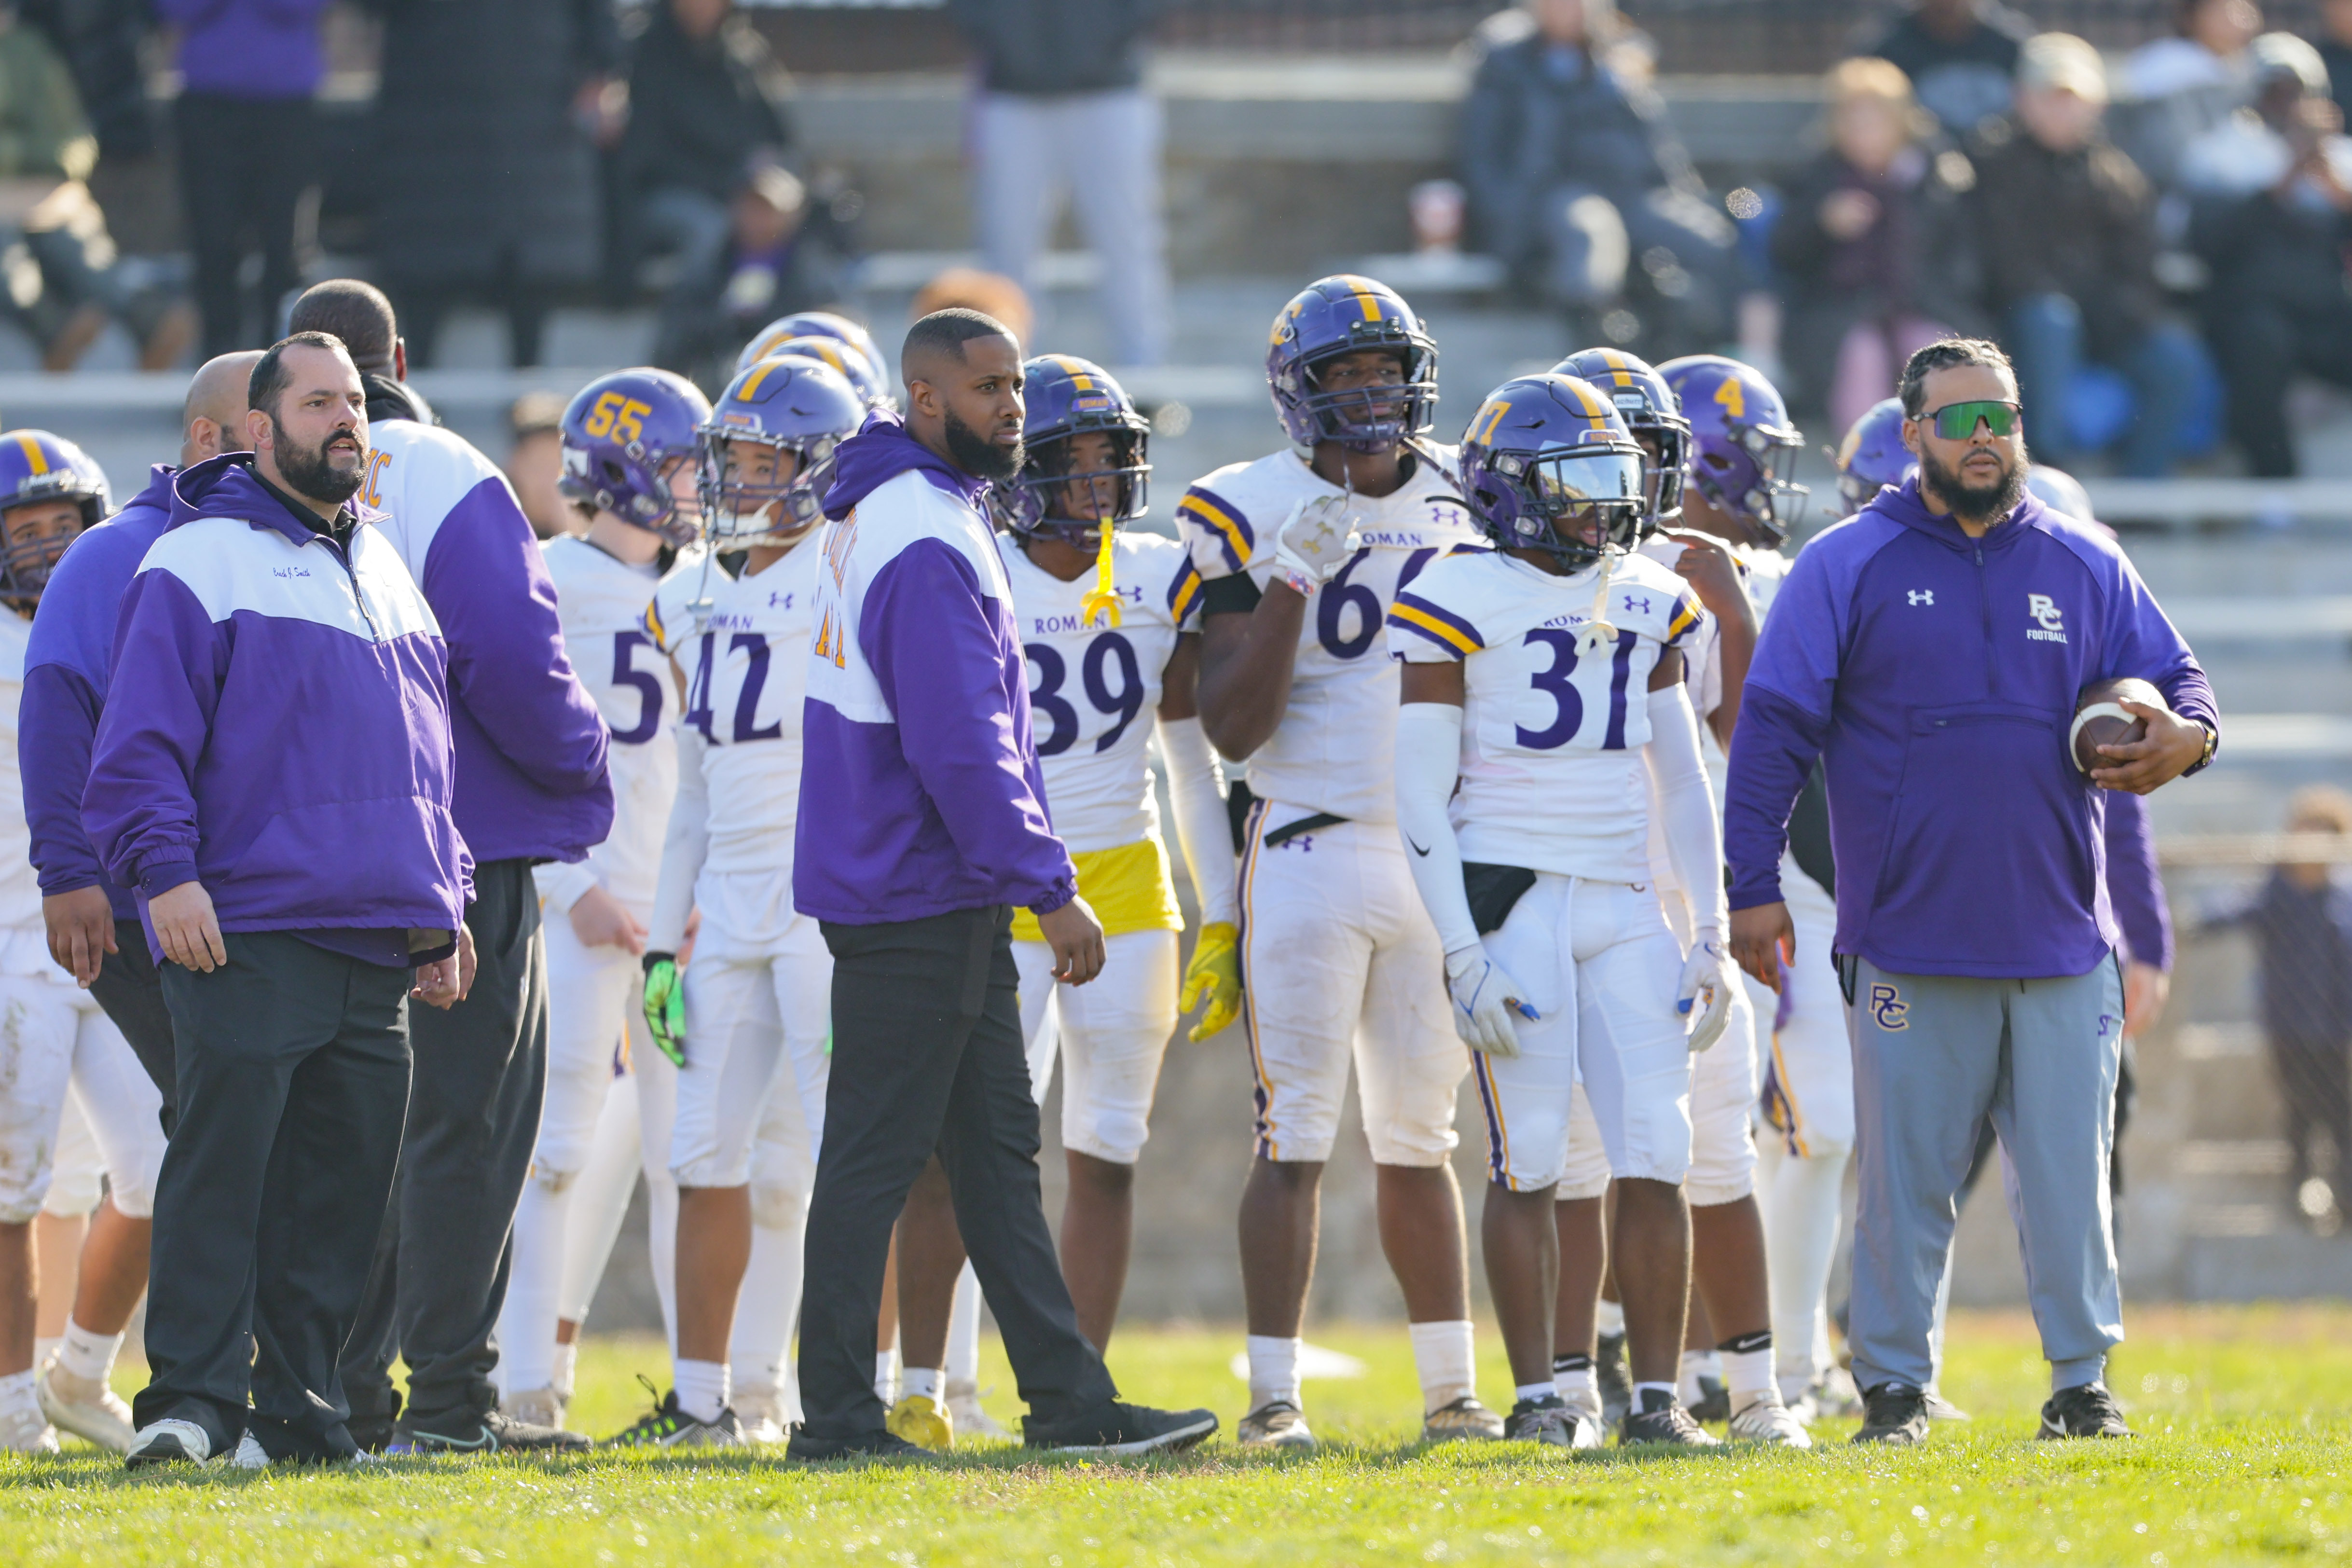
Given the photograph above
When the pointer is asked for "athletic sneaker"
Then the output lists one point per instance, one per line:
(880, 1444)
(2086, 1410)
(761, 1413)
(1615, 1377)
(495, 1433)
(1548, 1420)
(168, 1442)
(965, 1411)
(25, 1430)
(1893, 1413)
(667, 1427)
(920, 1419)
(535, 1408)
(1465, 1420)
(1714, 1400)
(1835, 1396)
(1119, 1429)
(1764, 1419)
(250, 1454)
(1940, 1408)
(1668, 1424)
(83, 1406)
(1278, 1424)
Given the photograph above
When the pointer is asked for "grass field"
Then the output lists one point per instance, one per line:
(2244, 1414)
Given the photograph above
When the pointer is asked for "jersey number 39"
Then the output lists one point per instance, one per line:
(1124, 701)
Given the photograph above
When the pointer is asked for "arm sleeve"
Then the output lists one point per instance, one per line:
(1784, 716)
(562, 884)
(2134, 885)
(932, 640)
(55, 726)
(1196, 790)
(1686, 806)
(2143, 641)
(685, 847)
(139, 807)
(487, 583)
(1428, 762)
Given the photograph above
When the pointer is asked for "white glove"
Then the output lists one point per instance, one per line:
(1705, 990)
(1314, 538)
(1485, 998)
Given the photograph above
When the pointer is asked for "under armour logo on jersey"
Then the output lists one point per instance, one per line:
(2050, 622)
(1887, 1006)
(1923, 597)
(1636, 606)
(779, 601)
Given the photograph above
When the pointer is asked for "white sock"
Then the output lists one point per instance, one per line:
(1748, 1368)
(41, 1348)
(16, 1392)
(886, 1376)
(567, 1360)
(1273, 1371)
(701, 1388)
(1530, 1392)
(1609, 1318)
(87, 1354)
(1695, 1366)
(921, 1382)
(1446, 1355)
(1573, 1380)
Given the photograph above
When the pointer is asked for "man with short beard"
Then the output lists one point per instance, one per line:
(1929, 651)
(922, 824)
(272, 777)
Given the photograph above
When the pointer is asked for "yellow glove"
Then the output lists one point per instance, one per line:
(1214, 977)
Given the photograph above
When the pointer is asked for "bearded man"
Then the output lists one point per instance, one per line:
(1930, 652)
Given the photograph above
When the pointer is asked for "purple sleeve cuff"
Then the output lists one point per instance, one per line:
(1060, 898)
(163, 876)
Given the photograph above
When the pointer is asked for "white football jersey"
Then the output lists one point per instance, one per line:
(601, 602)
(1335, 750)
(1552, 774)
(1094, 688)
(24, 945)
(742, 643)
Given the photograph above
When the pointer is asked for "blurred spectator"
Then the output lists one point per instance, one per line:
(1062, 104)
(2301, 921)
(535, 464)
(2067, 228)
(99, 40)
(1874, 244)
(244, 120)
(1573, 175)
(989, 294)
(490, 117)
(62, 281)
(2335, 47)
(706, 116)
(2176, 88)
(1960, 55)
(2271, 189)
(783, 253)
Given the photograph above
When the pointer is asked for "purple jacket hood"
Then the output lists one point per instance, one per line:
(881, 452)
(226, 486)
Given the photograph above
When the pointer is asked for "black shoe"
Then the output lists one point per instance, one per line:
(1714, 1400)
(1614, 1378)
(1122, 1429)
(1893, 1413)
(880, 1444)
(2086, 1410)
(1666, 1423)
(667, 1427)
(494, 1432)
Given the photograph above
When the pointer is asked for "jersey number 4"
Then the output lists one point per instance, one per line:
(1558, 683)
(1052, 670)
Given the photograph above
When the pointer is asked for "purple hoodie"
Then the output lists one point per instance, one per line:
(65, 669)
(1936, 676)
(278, 725)
(248, 48)
(921, 792)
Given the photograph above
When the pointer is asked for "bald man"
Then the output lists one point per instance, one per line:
(93, 925)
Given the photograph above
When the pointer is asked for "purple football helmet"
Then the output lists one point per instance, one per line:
(861, 372)
(788, 404)
(808, 324)
(624, 436)
(37, 467)
(1743, 448)
(1344, 315)
(1068, 397)
(1651, 413)
(1547, 464)
(1873, 455)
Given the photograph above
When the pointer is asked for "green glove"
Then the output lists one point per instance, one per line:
(666, 1007)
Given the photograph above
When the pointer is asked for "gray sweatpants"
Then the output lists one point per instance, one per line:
(1933, 1054)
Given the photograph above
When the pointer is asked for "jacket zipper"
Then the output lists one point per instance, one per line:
(358, 595)
(1984, 603)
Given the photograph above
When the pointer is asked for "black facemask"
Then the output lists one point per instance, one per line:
(1972, 503)
(978, 456)
(308, 472)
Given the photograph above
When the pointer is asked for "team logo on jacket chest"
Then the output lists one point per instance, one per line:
(2049, 621)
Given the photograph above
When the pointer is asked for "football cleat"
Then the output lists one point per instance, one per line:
(667, 1427)
(878, 1443)
(168, 1442)
(1465, 1420)
(1616, 1378)
(2086, 1410)
(1667, 1426)
(1764, 1419)
(1278, 1424)
(965, 1412)
(1713, 1402)
(84, 1407)
(922, 1421)
(761, 1414)
(1893, 1413)
(1118, 1429)
(493, 1433)
(250, 1454)
(1940, 1408)
(535, 1408)
(25, 1430)
(1548, 1421)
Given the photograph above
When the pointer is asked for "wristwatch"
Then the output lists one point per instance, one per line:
(2212, 739)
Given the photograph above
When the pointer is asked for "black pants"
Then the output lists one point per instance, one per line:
(926, 1057)
(244, 166)
(440, 1273)
(293, 1077)
(132, 992)
(2315, 1080)
(2260, 345)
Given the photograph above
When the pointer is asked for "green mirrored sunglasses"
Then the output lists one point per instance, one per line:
(1958, 421)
